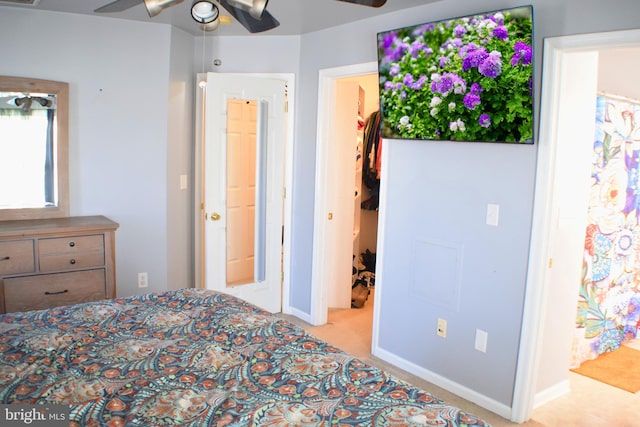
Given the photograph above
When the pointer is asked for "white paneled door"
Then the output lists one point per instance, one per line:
(250, 161)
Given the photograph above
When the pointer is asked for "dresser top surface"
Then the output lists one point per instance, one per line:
(32, 227)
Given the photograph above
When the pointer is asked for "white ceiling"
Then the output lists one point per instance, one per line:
(295, 16)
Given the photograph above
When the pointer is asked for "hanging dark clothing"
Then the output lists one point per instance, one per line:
(371, 163)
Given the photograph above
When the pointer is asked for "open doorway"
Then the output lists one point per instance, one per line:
(558, 223)
(333, 264)
(607, 316)
(366, 165)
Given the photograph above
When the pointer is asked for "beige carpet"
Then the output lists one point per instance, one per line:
(618, 368)
(589, 403)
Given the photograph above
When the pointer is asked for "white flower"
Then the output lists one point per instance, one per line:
(435, 101)
(404, 123)
(452, 106)
(434, 112)
(458, 125)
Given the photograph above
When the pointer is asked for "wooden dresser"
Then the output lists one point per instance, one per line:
(53, 262)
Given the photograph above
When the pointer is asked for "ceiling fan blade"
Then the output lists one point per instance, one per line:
(371, 3)
(253, 25)
(118, 6)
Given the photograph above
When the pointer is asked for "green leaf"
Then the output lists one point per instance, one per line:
(593, 328)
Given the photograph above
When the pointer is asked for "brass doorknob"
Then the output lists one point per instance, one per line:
(215, 216)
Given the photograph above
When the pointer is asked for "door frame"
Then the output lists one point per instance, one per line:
(548, 166)
(326, 84)
(199, 275)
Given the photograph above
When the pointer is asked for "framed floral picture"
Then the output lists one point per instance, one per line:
(463, 79)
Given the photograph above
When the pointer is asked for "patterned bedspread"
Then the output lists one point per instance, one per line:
(198, 358)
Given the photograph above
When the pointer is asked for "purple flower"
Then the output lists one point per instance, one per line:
(423, 29)
(462, 52)
(441, 84)
(471, 100)
(408, 79)
(459, 31)
(498, 18)
(444, 60)
(475, 89)
(521, 53)
(395, 54)
(501, 32)
(484, 120)
(446, 83)
(457, 43)
(448, 45)
(474, 58)
(491, 66)
(395, 69)
(417, 47)
(389, 39)
(393, 47)
(418, 84)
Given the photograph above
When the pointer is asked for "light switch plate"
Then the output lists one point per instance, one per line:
(493, 214)
(481, 340)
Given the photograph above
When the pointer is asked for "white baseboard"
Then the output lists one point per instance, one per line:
(451, 386)
(550, 393)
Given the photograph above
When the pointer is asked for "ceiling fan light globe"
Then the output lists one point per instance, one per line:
(154, 7)
(204, 12)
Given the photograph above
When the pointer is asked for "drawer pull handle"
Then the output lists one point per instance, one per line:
(56, 293)
(7, 258)
(72, 261)
(72, 244)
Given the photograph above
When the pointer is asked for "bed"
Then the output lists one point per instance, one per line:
(194, 357)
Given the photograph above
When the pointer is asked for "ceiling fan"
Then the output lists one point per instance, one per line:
(252, 14)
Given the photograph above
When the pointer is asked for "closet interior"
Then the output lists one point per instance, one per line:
(366, 154)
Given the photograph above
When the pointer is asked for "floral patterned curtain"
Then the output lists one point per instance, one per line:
(609, 300)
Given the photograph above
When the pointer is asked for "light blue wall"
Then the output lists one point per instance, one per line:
(180, 155)
(119, 75)
(437, 204)
(439, 192)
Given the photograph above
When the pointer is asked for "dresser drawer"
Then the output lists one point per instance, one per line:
(53, 290)
(70, 253)
(16, 257)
